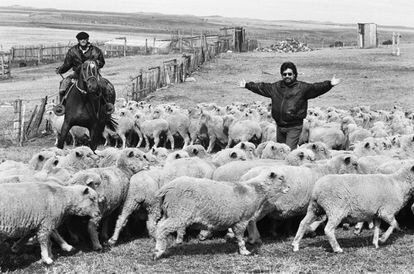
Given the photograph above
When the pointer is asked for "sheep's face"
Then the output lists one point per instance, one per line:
(132, 159)
(83, 157)
(347, 164)
(87, 204)
(274, 181)
(38, 160)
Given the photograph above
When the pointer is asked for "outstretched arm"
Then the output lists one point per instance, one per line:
(261, 88)
(317, 89)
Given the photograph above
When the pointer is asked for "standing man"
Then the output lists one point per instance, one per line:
(290, 101)
(75, 57)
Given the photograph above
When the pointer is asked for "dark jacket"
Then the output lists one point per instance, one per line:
(75, 58)
(289, 103)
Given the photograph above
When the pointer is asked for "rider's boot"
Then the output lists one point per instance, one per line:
(59, 109)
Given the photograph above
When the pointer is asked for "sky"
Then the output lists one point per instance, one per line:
(382, 12)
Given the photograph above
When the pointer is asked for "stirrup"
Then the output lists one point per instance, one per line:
(59, 110)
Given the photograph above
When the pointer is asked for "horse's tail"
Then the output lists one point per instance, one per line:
(111, 123)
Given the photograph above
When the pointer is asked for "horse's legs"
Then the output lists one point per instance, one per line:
(63, 133)
(93, 131)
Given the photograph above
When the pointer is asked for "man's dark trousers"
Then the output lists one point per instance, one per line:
(289, 135)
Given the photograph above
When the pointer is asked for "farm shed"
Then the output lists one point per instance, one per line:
(367, 35)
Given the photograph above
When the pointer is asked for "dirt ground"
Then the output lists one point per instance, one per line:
(371, 77)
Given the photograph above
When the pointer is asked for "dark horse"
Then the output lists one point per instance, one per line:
(86, 106)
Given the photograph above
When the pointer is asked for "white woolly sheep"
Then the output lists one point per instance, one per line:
(371, 197)
(213, 205)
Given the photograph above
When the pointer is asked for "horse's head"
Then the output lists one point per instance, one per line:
(90, 75)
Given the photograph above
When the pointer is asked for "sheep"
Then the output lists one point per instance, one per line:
(272, 150)
(39, 208)
(111, 184)
(196, 150)
(320, 150)
(248, 147)
(153, 129)
(215, 129)
(242, 130)
(370, 197)
(332, 136)
(57, 121)
(372, 164)
(234, 170)
(301, 180)
(143, 185)
(229, 154)
(213, 205)
(11, 171)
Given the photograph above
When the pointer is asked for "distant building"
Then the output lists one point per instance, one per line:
(367, 35)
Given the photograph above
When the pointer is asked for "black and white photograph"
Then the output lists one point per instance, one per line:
(178, 136)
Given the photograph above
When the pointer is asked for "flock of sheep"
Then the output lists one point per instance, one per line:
(352, 166)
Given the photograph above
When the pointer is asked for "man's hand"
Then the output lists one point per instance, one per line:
(335, 81)
(242, 83)
(57, 70)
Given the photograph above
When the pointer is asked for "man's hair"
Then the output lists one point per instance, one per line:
(288, 65)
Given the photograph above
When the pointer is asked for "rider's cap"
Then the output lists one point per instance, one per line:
(82, 35)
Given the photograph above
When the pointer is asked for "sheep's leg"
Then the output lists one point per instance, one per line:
(186, 139)
(239, 233)
(147, 142)
(333, 222)
(229, 142)
(93, 233)
(43, 236)
(127, 210)
(393, 224)
(104, 229)
(170, 137)
(61, 242)
(303, 227)
(377, 223)
(123, 138)
(156, 140)
(164, 228)
(212, 140)
(316, 224)
(180, 236)
(204, 235)
(254, 235)
(139, 136)
(358, 228)
(73, 139)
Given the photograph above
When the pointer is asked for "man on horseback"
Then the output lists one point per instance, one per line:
(74, 59)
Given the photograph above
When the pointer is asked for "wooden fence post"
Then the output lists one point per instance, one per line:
(21, 130)
(39, 116)
(17, 124)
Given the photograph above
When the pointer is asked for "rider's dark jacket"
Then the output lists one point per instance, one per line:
(75, 58)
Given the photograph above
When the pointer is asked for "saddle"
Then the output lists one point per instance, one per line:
(108, 92)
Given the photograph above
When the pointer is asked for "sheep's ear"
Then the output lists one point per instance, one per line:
(92, 184)
(243, 146)
(347, 160)
(233, 155)
(272, 175)
(131, 154)
(301, 154)
(177, 156)
(195, 151)
(412, 139)
(366, 145)
(41, 157)
(272, 147)
(314, 146)
(86, 191)
(412, 169)
(78, 154)
(56, 162)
